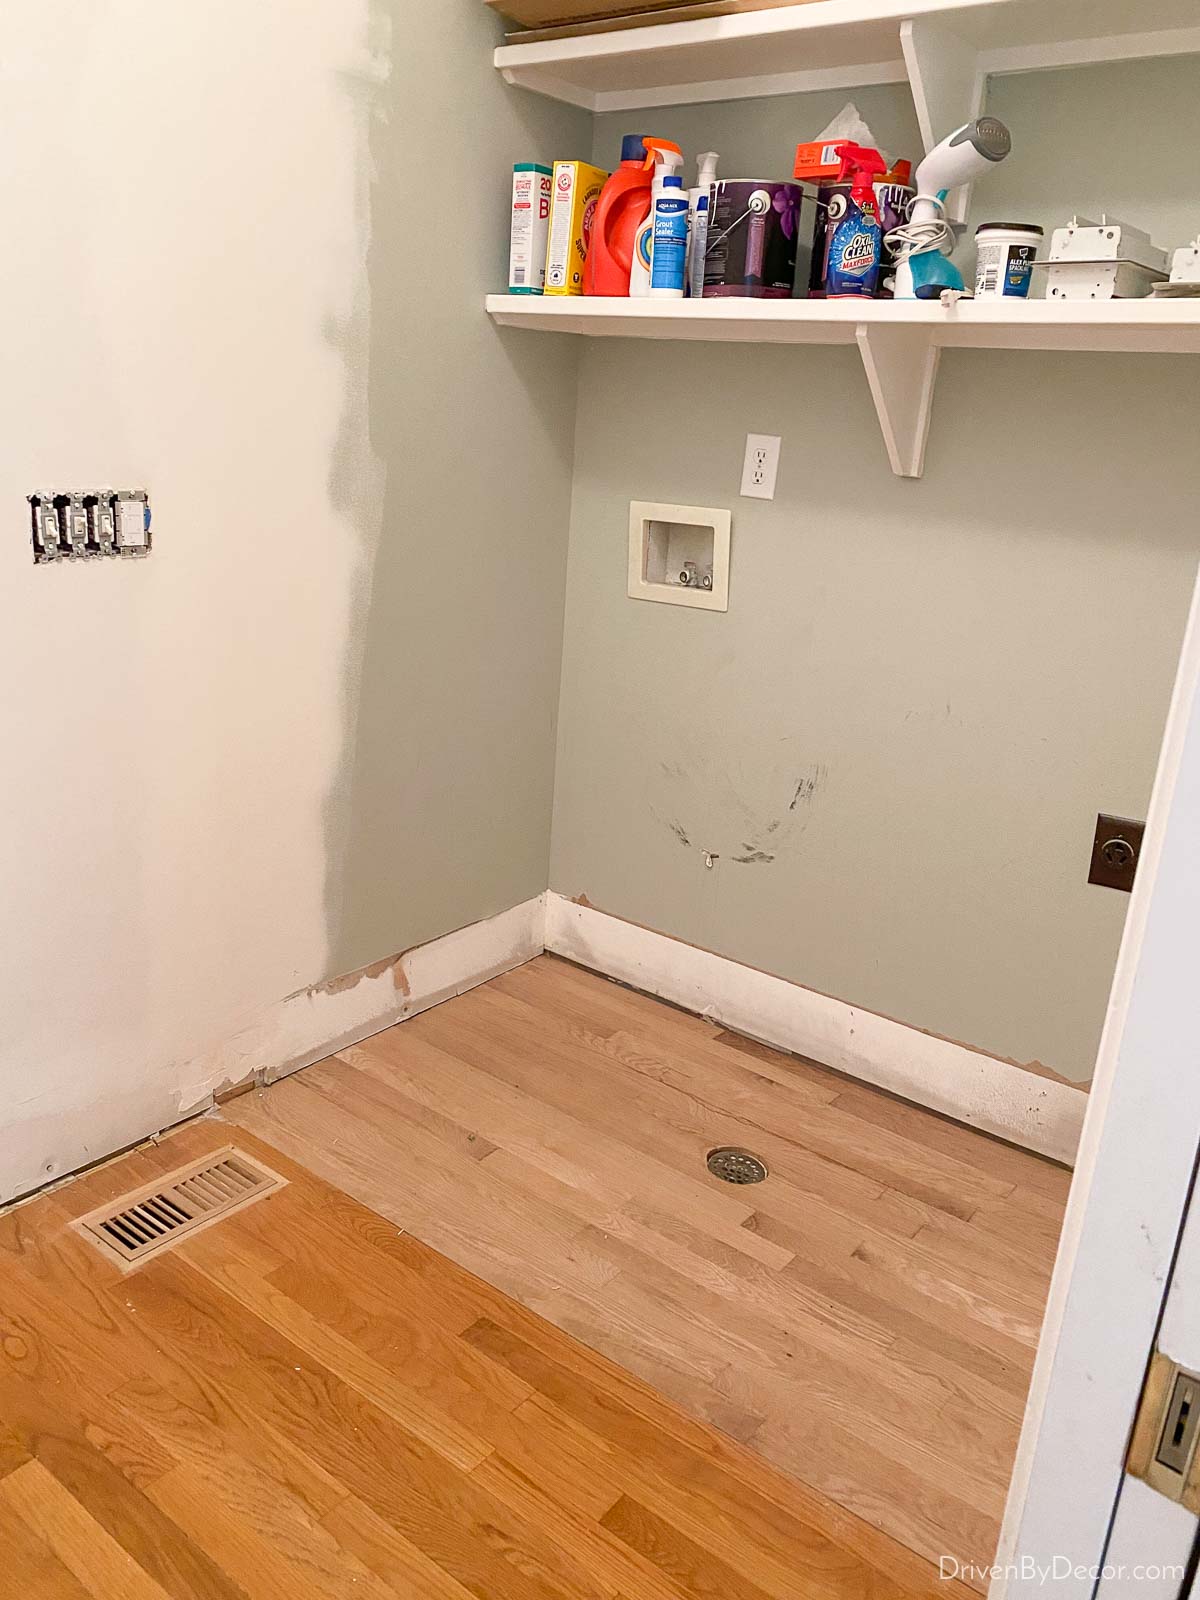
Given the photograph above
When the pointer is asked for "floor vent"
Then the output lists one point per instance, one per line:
(153, 1218)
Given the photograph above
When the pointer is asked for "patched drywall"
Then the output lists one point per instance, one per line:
(442, 811)
(316, 726)
(878, 774)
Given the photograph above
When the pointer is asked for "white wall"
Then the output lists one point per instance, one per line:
(189, 199)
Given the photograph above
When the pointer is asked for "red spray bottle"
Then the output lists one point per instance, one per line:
(856, 237)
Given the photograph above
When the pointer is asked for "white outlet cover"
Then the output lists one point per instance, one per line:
(761, 466)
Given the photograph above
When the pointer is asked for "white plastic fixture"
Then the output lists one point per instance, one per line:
(761, 466)
(664, 539)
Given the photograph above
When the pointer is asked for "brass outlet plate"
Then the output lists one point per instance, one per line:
(1116, 849)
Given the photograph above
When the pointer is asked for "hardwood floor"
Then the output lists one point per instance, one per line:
(865, 1319)
(302, 1402)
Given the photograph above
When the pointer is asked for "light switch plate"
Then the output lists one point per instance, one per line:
(761, 466)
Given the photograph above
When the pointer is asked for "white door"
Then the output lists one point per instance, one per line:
(1072, 1506)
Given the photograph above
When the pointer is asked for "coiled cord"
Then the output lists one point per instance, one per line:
(933, 233)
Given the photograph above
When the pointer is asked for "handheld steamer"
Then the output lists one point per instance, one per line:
(921, 245)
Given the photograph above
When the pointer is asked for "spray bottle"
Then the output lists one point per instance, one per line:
(699, 211)
(666, 159)
(856, 239)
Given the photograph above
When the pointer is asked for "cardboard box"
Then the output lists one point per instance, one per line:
(577, 187)
(552, 13)
(563, 17)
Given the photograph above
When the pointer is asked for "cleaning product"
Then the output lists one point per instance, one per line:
(923, 265)
(894, 197)
(668, 257)
(699, 211)
(856, 240)
(665, 159)
(530, 228)
(620, 212)
(576, 190)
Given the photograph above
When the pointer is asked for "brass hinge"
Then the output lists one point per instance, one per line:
(1166, 1431)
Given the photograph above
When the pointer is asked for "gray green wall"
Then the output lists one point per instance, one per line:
(442, 813)
(923, 691)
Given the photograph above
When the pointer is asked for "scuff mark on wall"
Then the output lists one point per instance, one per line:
(807, 787)
(745, 809)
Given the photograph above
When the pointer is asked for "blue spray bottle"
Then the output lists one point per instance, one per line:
(856, 244)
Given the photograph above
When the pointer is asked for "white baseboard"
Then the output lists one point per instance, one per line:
(330, 1016)
(284, 1037)
(980, 1090)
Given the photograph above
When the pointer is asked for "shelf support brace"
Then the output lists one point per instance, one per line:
(948, 87)
(901, 366)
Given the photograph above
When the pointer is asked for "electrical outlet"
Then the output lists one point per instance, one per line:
(761, 466)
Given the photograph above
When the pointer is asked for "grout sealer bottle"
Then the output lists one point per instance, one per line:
(666, 159)
(856, 239)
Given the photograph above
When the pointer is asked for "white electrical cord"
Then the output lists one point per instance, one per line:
(931, 233)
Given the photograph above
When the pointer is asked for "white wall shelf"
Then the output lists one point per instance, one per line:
(899, 341)
(944, 48)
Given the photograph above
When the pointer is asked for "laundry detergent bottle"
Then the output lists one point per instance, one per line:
(623, 206)
(856, 239)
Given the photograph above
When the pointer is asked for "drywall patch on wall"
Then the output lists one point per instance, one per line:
(165, 854)
(979, 1090)
(309, 1025)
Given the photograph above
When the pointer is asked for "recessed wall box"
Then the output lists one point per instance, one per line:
(672, 552)
(81, 524)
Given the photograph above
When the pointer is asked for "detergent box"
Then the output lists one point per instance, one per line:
(530, 226)
(575, 192)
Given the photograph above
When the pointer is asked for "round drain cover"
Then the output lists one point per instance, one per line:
(736, 1166)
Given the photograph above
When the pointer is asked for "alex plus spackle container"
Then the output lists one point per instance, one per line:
(1004, 252)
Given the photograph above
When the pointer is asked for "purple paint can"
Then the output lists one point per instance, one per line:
(760, 238)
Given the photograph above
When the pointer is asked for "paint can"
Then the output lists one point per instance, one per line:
(760, 238)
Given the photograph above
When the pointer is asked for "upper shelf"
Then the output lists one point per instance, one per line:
(837, 44)
(1162, 326)
(900, 342)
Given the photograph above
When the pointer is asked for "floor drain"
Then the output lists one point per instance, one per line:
(736, 1166)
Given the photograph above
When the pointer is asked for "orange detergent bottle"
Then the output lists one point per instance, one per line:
(623, 206)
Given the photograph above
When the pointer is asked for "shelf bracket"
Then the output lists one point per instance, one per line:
(901, 366)
(948, 88)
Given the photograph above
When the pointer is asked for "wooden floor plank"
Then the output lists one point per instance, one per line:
(891, 1258)
(100, 1565)
(473, 1388)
